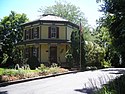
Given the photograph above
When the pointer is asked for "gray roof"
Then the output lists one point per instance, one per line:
(51, 17)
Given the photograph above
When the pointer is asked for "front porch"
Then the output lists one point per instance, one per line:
(46, 53)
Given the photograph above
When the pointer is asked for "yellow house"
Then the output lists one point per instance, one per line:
(47, 38)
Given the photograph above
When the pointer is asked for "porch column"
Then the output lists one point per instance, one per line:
(58, 53)
(49, 52)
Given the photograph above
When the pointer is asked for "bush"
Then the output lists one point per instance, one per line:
(106, 64)
(33, 62)
(94, 54)
(42, 67)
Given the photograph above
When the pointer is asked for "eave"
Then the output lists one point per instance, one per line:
(38, 41)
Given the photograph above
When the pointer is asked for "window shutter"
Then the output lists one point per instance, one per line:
(29, 33)
(57, 36)
(37, 52)
(25, 34)
(49, 32)
(32, 33)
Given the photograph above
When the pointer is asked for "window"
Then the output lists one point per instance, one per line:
(27, 53)
(26, 34)
(35, 52)
(35, 33)
(53, 32)
(29, 31)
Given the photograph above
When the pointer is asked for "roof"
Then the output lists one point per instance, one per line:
(51, 18)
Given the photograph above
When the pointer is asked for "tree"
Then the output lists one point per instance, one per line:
(65, 10)
(75, 49)
(114, 20)
(11, 33)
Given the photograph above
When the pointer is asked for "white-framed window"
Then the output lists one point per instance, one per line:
(53, 32)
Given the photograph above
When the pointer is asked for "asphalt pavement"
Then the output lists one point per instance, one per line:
(74, 83)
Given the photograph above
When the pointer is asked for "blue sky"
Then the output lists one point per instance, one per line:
(31, 7)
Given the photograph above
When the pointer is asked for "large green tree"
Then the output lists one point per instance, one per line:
(65, 10)
(11, 33)
(114, 20)
(76, 50)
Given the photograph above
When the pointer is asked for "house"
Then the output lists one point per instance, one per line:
(47, 38)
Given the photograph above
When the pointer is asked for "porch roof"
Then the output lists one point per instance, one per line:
(43, 41)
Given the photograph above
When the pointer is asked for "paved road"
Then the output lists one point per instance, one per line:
(77, 83)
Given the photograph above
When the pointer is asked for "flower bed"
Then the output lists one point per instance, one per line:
(7, 75)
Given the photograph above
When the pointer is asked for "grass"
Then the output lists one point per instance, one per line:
(1, 71)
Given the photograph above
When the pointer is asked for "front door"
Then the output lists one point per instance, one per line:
(53, 54)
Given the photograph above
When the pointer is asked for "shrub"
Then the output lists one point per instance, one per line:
(106, 64)
(33, 62)
(42, 67)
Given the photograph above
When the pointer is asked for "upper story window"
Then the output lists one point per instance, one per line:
(53, 32)
(26, 34)
(35, 33)
(32, 33)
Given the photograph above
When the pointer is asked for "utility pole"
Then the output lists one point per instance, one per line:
(80, 32)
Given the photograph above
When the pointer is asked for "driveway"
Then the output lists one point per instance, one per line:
(75, 83)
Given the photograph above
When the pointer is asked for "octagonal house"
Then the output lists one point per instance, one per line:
(47, 39)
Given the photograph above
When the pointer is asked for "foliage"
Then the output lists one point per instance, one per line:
(114, 20)
(114, 87)
(25, 72)
(94, 54)
(10, 33)
(65, 10)
(106, 64)
(42, 67)
(75, 48)
(69, 58)
(33, 62)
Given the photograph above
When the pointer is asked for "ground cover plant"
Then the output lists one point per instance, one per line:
(25, 72)
(114, 87)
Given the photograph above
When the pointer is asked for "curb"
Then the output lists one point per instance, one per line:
(35, 78)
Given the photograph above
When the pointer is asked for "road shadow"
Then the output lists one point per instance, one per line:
(85, 90)
(115, 70)
(3, 92)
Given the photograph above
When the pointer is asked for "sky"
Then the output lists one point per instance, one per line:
(31, 7)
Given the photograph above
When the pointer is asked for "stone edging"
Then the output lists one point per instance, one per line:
(35, 78)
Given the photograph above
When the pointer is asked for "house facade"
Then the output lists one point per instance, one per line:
(47, 39)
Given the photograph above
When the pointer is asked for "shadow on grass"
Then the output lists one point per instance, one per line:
(115, 70)
(85, 90)
(3, 92)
